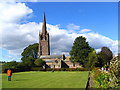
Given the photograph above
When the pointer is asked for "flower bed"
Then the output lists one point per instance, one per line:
(103, 79)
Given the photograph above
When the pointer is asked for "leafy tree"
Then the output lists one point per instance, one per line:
(11, 65)
(31, 50)
(92, 59)
(28, 61)
(106, 54)
(23, 67)
(80, 50)
(101, 61)
(28, 56)
(39, 62)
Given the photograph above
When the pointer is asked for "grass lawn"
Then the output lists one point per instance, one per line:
(46, 80)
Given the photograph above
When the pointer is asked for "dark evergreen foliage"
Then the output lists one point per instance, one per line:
(105, 56)
(39, 62)
(10, 65)
(28, 61)
(31, 50)
(80, 50)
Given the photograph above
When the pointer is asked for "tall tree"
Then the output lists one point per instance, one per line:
(106, 54)
(92, 59)
(80, 50)
(101, 61)
(29, 55)
(39, 62)
(28, 61)
(31, 50)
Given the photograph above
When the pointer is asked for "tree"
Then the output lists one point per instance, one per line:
(29, 55)
(31, 50)
(11, 65)
(80, 50)
(92, 59)
(23, 67)
(106, 54)
(101, 61)
(28, 61)
(39, 62)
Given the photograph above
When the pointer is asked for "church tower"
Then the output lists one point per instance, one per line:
(44, 48)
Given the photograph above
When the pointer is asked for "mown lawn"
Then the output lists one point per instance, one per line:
(46, 80)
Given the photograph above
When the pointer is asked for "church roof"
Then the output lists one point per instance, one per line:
(52, 57)
(67, 58)
(49, 61)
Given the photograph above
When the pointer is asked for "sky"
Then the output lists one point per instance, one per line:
(21, 22)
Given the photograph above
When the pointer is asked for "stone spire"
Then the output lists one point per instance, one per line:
(44, 31)
(44, 47)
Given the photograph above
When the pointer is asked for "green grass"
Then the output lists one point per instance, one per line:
(46, 80)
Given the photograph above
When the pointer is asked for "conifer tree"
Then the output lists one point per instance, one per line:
(80, 50)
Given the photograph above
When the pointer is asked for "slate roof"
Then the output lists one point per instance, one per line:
(52, 57)
(49, 61)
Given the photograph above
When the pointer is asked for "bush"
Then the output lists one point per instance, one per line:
(57, 69)
(37, 69)
(101, 79)
(85, 69)
(63, 69)
(68, 69)
(10, 65)
(49, 69)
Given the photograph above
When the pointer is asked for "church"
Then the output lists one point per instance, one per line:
(52, 61)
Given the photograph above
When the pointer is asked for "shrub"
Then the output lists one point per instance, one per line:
(63, 69)
(49, 69)
(57, 69)
(71, 69)
(12, 65)
(101, 79)
(37, 69)
(83, 69)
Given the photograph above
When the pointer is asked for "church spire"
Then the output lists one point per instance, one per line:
(44, 31)
(44, 47)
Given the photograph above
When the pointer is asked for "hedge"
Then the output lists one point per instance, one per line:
(60, 69)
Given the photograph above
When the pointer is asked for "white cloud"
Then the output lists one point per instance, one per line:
(85, 30)
(97, 41)
(73, 27)
(119, 46)
(12, 1)
(13, 12)
(15, 36)
(60, 40)
(18, 36)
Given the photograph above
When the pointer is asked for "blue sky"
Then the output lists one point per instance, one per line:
(66, 20)
(101, 17)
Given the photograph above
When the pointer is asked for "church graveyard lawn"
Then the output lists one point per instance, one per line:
(46, 80)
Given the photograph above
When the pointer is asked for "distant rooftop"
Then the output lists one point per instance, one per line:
(52, 57)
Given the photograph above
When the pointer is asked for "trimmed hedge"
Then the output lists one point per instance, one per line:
(37, 69)
(60, 69)
(50, 69)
